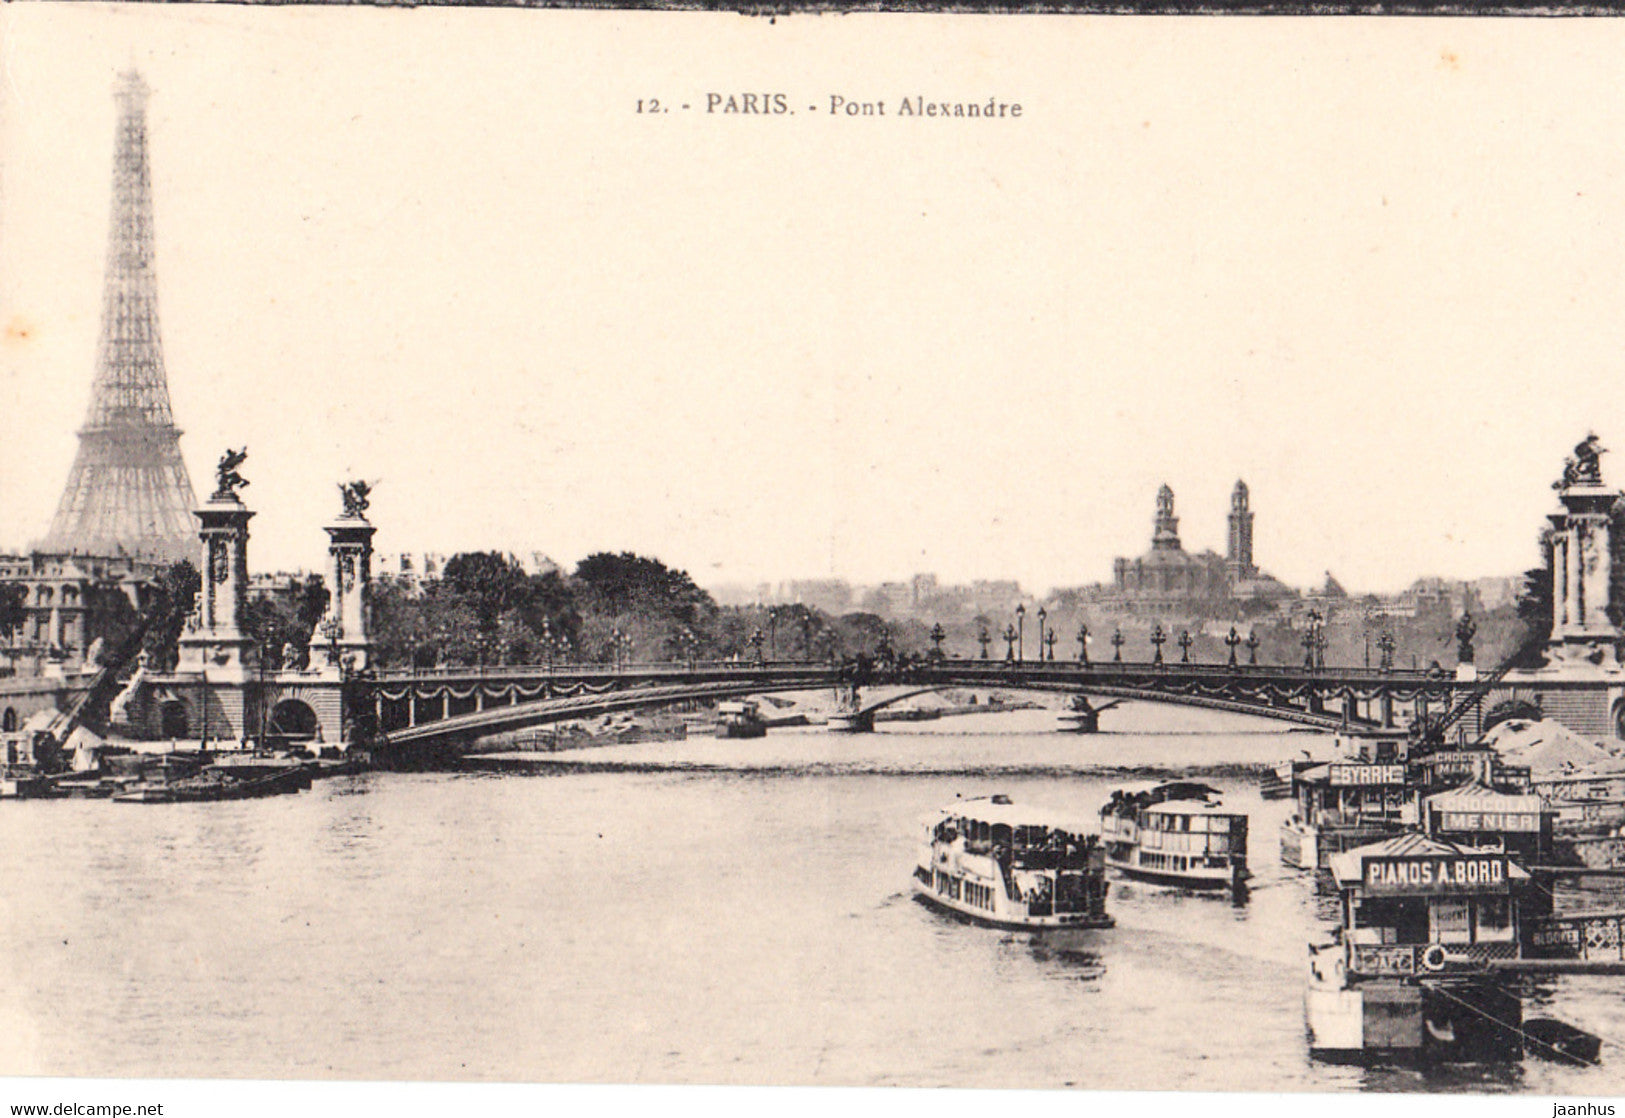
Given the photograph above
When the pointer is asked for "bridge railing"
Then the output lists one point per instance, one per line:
(924, 668)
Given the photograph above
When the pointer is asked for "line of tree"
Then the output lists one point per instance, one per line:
(484, 609)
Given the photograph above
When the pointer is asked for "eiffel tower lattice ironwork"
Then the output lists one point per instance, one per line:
(128, 491)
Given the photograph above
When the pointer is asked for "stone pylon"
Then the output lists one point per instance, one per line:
(342, 637)
(128, 491)
(216, 646)
(216, 638)
(1580, 556)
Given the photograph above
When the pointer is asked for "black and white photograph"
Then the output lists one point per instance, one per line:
(1052, 553)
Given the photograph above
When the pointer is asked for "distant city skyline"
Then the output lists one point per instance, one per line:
(763, 350)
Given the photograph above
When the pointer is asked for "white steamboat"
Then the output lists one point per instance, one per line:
(1012, 866)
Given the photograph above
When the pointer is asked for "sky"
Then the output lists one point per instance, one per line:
(1373, 267)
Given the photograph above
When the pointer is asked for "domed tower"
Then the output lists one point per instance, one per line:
(1165, 536)
(1239, 556)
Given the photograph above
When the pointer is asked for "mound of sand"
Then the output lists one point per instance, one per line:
(1552, 749)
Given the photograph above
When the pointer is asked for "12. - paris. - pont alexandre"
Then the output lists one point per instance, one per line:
(138, 615)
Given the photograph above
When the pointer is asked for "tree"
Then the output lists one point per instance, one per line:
(279, 621)
(487, 582)
(173, 599)
(642, 599)
(1535, 612)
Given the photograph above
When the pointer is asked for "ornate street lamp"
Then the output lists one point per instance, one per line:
(1040, 644)
(1049, 639)
(1185, 643)
(1083, 644)
(1385, 644)
(937, 635)
(1117, 646)
(983, 639)
(1021, 626)
(1252, 648)
(1009, 643)
(1158, 638)
(1231, 639)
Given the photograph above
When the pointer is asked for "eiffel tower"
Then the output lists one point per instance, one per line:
(128, 492)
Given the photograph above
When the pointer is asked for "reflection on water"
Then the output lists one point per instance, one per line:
(719, 917)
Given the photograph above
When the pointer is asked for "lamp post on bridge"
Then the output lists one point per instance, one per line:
(1385, 645)
(772, 632)
(1039, 645)
(1252, 648)
(1021, 627)
(983, 640)
(1050, 641)
(1117, 646)
(1158, 638)
(756, 640)
(1309, 640)
(1009, 644)
(937, 636)
(1083, 645)
(1185, 643)
(1231, 639)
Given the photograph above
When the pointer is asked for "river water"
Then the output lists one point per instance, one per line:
(692, 912)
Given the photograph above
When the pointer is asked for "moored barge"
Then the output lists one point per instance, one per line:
(1410, 973)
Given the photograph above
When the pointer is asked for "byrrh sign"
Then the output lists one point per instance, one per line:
(1422, 875)
(1362, 775)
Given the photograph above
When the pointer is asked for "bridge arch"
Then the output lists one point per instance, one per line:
(1279, 694)
(174, 720)
(292, 724)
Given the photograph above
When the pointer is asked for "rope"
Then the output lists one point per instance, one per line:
(1527, 1038)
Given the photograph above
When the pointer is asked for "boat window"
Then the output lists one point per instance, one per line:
(1450, 921)
(1494, 918)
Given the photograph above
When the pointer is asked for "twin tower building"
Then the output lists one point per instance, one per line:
(1170, 578)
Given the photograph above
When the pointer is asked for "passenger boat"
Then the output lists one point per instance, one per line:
(1175, 833)
(1410, 972)
(740, 720)
(1012, 866)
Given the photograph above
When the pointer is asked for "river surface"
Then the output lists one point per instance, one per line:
(690, 912)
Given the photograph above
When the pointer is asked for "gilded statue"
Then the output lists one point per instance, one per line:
(355, 495)
(227, 479)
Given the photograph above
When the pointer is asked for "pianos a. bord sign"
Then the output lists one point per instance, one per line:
(1433, 874)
